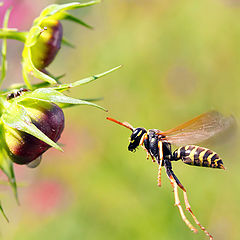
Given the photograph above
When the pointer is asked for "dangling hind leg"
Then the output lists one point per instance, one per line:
(159, 173)
(188, 207)
(160, 161)
(174, 184)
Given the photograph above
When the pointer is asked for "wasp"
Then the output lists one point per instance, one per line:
(158, 146)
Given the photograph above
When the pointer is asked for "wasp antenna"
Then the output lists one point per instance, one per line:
(125, 124)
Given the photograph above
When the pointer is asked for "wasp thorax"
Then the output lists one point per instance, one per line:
(136, 138)
(24, 148)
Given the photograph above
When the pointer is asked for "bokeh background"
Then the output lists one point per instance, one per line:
(180, 59)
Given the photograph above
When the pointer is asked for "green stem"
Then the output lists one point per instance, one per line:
(12, 34)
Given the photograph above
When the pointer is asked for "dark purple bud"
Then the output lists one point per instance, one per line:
(48, 118)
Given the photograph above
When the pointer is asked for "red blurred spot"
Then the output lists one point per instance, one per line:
(45, 197)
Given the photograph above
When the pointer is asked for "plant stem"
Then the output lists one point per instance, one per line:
(13, 34)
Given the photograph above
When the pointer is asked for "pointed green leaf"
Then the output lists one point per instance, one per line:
(55, 8)
(7, 167)
(70, 17)
(25, 75)
(57, 78)
(1, 208)
(16, 117)
(67, 105)
(36, 72)
(51, 95)
(93, 99)
(64, 87)
(67, 43)
(18, 86)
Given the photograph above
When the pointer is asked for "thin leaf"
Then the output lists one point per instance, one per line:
(16, 117)
(64, 87)
(7, 167)
(1, 209)
(54, 77)
(68, 105)
(57, 78)
(51, 95)
(67, 43)
(4, 48)
(56, 8)
(36, 72)
(18, 86)
(25, 76)
(70, 17)
(93, 99)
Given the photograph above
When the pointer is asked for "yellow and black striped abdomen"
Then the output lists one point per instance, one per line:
(198, 156)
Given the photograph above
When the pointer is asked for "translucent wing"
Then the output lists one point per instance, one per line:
(198, 129)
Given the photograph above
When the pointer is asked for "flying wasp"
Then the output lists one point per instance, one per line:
(157, 145)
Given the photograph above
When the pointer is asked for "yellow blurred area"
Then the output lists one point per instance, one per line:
(180, 59)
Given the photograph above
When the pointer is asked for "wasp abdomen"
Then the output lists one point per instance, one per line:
(198, 156)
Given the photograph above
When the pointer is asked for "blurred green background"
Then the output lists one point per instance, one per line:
(180, 59)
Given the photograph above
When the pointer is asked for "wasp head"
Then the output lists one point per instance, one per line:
(136, 138)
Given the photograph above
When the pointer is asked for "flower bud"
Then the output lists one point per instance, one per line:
(48, 43)
(23, 148)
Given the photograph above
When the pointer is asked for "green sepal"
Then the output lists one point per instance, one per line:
(17, 117)
(57, 78)
(36, 72)
(67, 105)
(67, 43)
(7, 167)
(25, 75)
(4, 48)
(1, 209)
(93, 99)
(33, 36)
(53, 96)
(69, 17)
(56, 8)
(64, 87)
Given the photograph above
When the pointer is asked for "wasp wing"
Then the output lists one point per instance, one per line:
(198, 129)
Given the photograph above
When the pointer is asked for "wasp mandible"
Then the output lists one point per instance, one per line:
(157, 145)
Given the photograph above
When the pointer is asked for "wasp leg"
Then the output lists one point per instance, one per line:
(159, 173)
(188, 207)
(144, 137)
(177, 201)
(171, 174)
(160, 148)
(148, 154)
